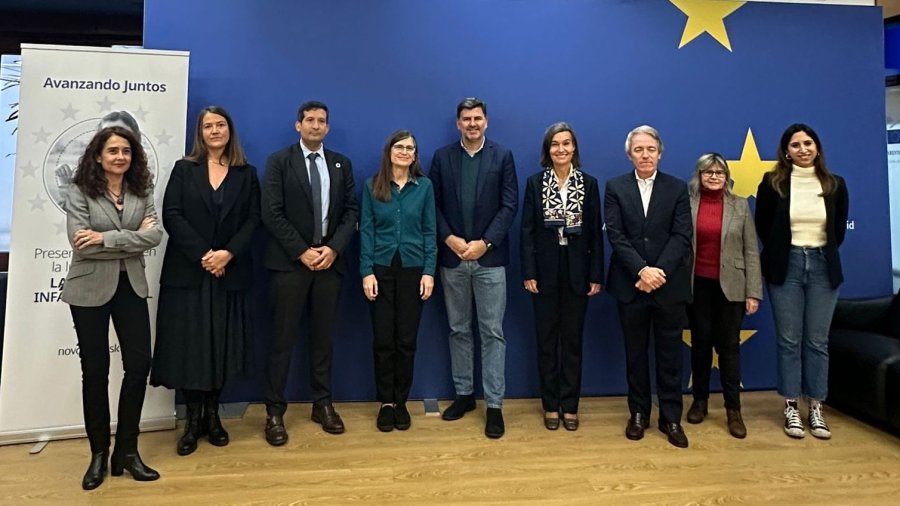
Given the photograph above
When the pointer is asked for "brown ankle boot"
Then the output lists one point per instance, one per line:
(736, 423)
(698, 410)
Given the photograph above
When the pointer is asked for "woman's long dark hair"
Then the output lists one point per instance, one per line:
(233, 150)
(91, 179)
(781, 174)
(381, 183)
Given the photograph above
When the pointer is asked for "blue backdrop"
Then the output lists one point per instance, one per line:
(605, 67)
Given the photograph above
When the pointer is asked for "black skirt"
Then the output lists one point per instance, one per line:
(204, 337)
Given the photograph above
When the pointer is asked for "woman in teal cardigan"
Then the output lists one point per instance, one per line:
(398, 253)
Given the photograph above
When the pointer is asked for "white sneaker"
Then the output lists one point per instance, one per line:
(817, 425)
(793, 425)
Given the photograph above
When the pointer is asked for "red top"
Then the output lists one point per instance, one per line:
(709, 233)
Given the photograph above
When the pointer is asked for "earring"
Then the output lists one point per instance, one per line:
(787, 156)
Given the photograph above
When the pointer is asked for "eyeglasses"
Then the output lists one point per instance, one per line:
(401, 148)
(713, 173)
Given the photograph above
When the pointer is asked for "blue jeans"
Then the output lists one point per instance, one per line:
(803, 307)
(488, 286)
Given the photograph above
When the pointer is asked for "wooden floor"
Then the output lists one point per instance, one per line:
(438, 462)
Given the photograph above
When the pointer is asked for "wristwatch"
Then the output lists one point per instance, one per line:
(487, 243)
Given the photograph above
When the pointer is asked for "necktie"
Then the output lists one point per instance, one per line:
(316, 185)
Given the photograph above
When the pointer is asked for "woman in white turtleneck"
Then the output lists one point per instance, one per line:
(801, 215)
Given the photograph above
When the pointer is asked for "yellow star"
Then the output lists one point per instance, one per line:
(748, 171)
(686, 337)
(706, 16)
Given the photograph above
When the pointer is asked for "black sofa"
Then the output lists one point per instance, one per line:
(864, 360)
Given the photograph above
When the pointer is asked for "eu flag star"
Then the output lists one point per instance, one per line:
(706, 16)
(748, 171)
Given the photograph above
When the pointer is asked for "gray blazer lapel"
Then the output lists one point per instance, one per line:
(132, 214)
(695, 205)
(728, 212)
(110, 209)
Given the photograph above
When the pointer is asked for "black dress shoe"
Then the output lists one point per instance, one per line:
(328, 418)
(494, 427)
(385, 420)
(570, 424)
(133, 464)
(698, 410)
(93, 477)
(458, 409)
(551, 423)
(402, 420)
(276, 434)
(636, 425)
(674, 433)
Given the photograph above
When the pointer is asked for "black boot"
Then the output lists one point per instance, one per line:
(193, 429)
(214, 430)
(133, 463)
(93, 477)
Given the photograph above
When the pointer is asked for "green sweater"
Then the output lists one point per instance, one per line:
(405, 223)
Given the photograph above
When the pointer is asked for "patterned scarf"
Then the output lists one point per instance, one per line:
(555, 213)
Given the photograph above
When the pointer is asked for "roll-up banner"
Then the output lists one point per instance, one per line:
(67, 94)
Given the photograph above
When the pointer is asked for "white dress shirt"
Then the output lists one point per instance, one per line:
(646, 188)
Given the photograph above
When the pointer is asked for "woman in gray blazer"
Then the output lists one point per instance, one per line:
(727, 284)
(110, 222)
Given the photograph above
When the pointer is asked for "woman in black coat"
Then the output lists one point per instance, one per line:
(801, 216)
(562, 265)
(204, 329)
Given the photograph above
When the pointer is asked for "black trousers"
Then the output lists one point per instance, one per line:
(293, 293)
(132, 323)
(715, 322)
(559, 321)
(396, 312)
(638, 318)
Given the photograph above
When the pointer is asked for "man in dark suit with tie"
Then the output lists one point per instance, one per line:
(309, 207)
(648, 222)
(476, 195)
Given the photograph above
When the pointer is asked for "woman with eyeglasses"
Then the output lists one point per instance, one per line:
(801, 216)
(727, 285)
(398, 255)
(562, 266)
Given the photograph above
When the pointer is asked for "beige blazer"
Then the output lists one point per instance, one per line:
(739, 273)
(94, 272)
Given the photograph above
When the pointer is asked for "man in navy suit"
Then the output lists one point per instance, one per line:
(309, 207)
(476, 194)
(648, 222)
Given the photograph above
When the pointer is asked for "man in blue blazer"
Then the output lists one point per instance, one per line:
(648, 222)
(477, 195)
